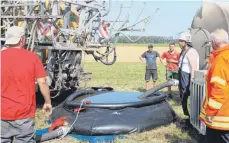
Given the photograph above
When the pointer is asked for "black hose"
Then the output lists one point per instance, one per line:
(158, 87)
(50, 135)
(147, 102)
(112, 62)
(79, 93)
(100, 58)
(70, 103)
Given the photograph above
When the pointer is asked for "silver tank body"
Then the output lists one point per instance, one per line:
(208, 18)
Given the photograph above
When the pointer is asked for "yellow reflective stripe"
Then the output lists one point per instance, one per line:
(217, 124)
(221, 119)
(205, 102)
(202, 115)
(203, 111)
(219, 80)
(214, 104)
(206, 97)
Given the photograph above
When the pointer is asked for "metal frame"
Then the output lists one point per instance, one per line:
(197, 96)
(91, 12)
(66, 46)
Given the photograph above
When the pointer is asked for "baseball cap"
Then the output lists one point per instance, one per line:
(13, 35)
(186, 37)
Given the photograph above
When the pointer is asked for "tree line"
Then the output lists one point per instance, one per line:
(147, 39)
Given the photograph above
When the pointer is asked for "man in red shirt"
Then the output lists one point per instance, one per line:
(20, 68)
(171, 64)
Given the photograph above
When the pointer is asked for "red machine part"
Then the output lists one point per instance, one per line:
(58, 123)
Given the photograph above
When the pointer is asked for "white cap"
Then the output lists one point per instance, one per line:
(14, 34)
(186, 37)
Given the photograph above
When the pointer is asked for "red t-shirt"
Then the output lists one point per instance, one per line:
(171, 56)
(19, 68)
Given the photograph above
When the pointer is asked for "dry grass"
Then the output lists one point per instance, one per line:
(125, 76)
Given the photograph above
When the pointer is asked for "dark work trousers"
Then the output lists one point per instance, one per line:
(217, 136)
(184, 85)
(18, 131)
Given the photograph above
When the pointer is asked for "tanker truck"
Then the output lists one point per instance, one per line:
(208, 18)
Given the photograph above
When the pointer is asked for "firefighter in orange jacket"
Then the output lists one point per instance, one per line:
(215, 108)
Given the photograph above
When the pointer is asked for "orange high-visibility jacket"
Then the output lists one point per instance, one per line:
(216, 102)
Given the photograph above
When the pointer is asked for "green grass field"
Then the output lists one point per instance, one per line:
(130, 77)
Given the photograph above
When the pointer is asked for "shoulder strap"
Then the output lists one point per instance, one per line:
(185, 52)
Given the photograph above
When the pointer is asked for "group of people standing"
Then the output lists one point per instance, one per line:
(21, 68)
(181, 66)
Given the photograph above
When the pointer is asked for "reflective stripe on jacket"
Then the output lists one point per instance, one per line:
(216, 102)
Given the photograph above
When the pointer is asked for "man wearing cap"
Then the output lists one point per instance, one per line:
(151, 65)
(188, 63)
(20, 68)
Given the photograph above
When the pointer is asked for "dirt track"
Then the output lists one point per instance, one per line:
(130, 53)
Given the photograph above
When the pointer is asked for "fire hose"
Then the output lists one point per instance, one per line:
(53, 134)
(159, 87)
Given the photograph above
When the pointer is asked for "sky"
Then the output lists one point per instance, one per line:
(172, 18)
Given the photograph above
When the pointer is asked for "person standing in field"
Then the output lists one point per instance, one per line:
(188, 64)
(215, 108)
(172, 57)
(20, 69)
(150, 57)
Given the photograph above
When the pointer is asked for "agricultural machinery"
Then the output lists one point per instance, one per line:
(62, 32)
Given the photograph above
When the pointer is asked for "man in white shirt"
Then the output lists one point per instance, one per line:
(188, 63)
